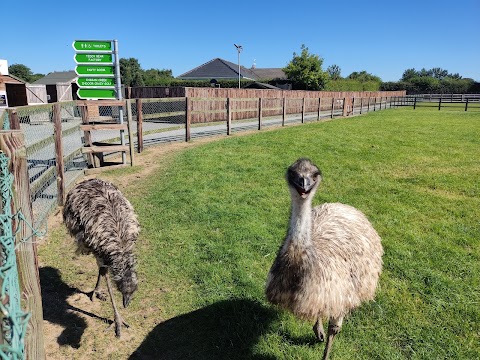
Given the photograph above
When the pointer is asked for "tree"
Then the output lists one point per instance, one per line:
(23, 72)
(155, 77)
(409, 74)
(131, 72)
(334, 72)
(305, 71)
(363, 76)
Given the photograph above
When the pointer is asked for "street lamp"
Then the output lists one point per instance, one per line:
(239, 49)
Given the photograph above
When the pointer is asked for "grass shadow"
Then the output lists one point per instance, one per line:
(225, 330)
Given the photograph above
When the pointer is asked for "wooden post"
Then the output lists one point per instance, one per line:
(415, 103)
(333, 104)
(319, 108)
(381, 99)
(344, 109)
(466, 104)
(440, 102)
(368, 105)
(131, 146)
(353, 106)
(303, 110)
(86, 134)
(259, 113)
(139, 125)
(187, 119)
(284, 110)
(60, 166)
(14, 120)
(361, 105)
(229, 117)
(12, 143)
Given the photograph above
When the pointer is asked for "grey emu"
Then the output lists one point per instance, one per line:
(103, 223)
(330, 260)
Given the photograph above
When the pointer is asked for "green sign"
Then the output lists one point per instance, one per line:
(100, 82)
(93, 58)
(91, 46)
(94, 70)
(96, 93)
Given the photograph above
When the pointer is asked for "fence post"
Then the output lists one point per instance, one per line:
(361, 105)
(128, 103)
(86, 134)
(14, 121)
(139, 125)
(333, 104)
(60, 166)
(13, 145)
(229, 116)
(353, 105)
(284, 110)
(344, 108)
(414, 103)
(319, 108)
(368, 105)
(187, 119)
(259, 113)
(440, 102)
(303, 110)
(375, 104)
(466, 104)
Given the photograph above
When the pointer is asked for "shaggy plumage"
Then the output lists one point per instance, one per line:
(330, 260)
(103, 223)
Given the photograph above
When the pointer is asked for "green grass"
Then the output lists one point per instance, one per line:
(213, 217)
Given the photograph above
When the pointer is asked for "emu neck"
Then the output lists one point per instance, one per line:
(300, 228)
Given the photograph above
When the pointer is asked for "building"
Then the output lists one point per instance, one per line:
(60, 85)
(219, 69)
(16, 92)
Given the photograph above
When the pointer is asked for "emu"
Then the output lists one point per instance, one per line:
(330, 260)
(103, 223)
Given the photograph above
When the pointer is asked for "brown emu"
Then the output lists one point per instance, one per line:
(103, 223)
(330, 260)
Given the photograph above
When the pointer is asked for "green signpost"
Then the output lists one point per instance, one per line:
(96, 93)
(95, 82)
(92, 45)
(92, 70)
(102, 59)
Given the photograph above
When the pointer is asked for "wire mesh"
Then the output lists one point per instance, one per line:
(13, 320)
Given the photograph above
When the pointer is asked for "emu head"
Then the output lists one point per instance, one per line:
(303, 177)
(127, 285)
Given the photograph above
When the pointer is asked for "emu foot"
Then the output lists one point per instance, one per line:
(318, 330)
(118, 326)
(97, 294)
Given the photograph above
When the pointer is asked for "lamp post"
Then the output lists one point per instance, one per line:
(239, 49)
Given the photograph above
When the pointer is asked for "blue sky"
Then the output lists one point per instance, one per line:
(381, 37)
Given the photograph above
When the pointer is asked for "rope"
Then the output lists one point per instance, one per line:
(14, 321)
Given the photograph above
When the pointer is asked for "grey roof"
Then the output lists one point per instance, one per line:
(269, 73)
(223, 69)
(57, 77)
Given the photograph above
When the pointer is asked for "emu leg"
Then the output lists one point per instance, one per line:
(118, 321)
(102, 271)
(318, 330)
(334, 326)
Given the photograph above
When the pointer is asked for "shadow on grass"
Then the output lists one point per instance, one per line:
(224, 330)
(57, 310)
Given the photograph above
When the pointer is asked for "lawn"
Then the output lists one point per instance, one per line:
(213, 216)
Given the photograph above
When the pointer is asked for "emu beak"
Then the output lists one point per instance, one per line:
(126, 300)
